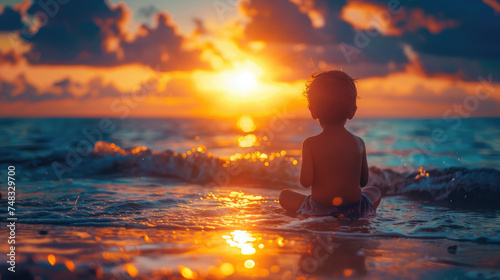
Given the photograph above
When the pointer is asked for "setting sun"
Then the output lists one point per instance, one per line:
(240, 83)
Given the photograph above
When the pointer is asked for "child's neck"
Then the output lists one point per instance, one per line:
(334, 126)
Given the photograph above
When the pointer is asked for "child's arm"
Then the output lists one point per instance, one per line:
(364, 167)
(306, 171)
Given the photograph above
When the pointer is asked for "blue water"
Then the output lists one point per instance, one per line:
(440, 179)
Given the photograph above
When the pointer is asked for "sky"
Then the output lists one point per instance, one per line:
(225, 58)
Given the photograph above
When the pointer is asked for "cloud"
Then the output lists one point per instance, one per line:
(392, 20)
(314, 32)
(462, 31)
(94, 33)
(371, 37)
(76, 33)
(9, 57)
(161, 47)
(22, 90)
(278, 21)
(10, 19)
(367, 38)
(493, 4)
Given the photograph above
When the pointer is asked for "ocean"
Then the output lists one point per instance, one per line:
(177, 196)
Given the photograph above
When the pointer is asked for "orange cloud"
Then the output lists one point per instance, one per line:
(494, 4)
(368, 16)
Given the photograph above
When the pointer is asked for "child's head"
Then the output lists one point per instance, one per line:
(331, 96)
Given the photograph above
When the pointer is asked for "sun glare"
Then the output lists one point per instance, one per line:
(246, 124)
(240, 84)
(244, 88)
(241, 239)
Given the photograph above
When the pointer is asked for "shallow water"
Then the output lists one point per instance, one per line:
(152, 203)
(131, 253)
(197, 177)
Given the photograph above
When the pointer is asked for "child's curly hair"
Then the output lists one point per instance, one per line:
(325, 87)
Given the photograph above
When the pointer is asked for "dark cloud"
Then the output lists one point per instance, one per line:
(293, 40)
(278, 21)
(9, 57)
(10, 20)
(161, 47)
(459, 39)
(92, 32)
(76, 33)
(22, 90)
(469, 48)
(63, 83)
(456, 38)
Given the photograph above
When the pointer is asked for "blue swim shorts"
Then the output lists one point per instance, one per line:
(364, 207)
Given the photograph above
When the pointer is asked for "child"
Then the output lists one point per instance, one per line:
(333, 162)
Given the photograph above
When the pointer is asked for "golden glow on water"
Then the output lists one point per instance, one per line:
(246, 124)
(51, 259)
(422, 173)
(69, 265)
(267, 158)
(138, 149)
(131, 270)
(241, 239)
(236, 199)
(227, 269)
(249, 264)
(230, 254)
(187, 273)
(281, 241)
(248, 140)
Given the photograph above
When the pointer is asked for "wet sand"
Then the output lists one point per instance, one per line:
(59, 252)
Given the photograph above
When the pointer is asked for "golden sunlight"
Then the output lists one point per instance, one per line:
(245, 88)
(247, 141)
(246, 124)
(241, 239)
(240, 83)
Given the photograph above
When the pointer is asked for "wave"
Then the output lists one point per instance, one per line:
(460, 187)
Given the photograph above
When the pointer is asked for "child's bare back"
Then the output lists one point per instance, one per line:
(334, 162)
(337, 159)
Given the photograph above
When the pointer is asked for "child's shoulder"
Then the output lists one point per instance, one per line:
(360, 142)
(310, 140)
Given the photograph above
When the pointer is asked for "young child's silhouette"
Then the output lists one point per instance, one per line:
(333, 162)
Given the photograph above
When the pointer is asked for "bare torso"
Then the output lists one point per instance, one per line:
(337, 160)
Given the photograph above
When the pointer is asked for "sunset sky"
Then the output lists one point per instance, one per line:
(224, 58)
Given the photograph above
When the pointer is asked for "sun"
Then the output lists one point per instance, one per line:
(240, 83)
(245, 88)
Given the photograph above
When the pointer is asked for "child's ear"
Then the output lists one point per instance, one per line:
(353, 111)
(312, 114)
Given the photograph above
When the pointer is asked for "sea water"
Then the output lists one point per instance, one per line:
(440, 178)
